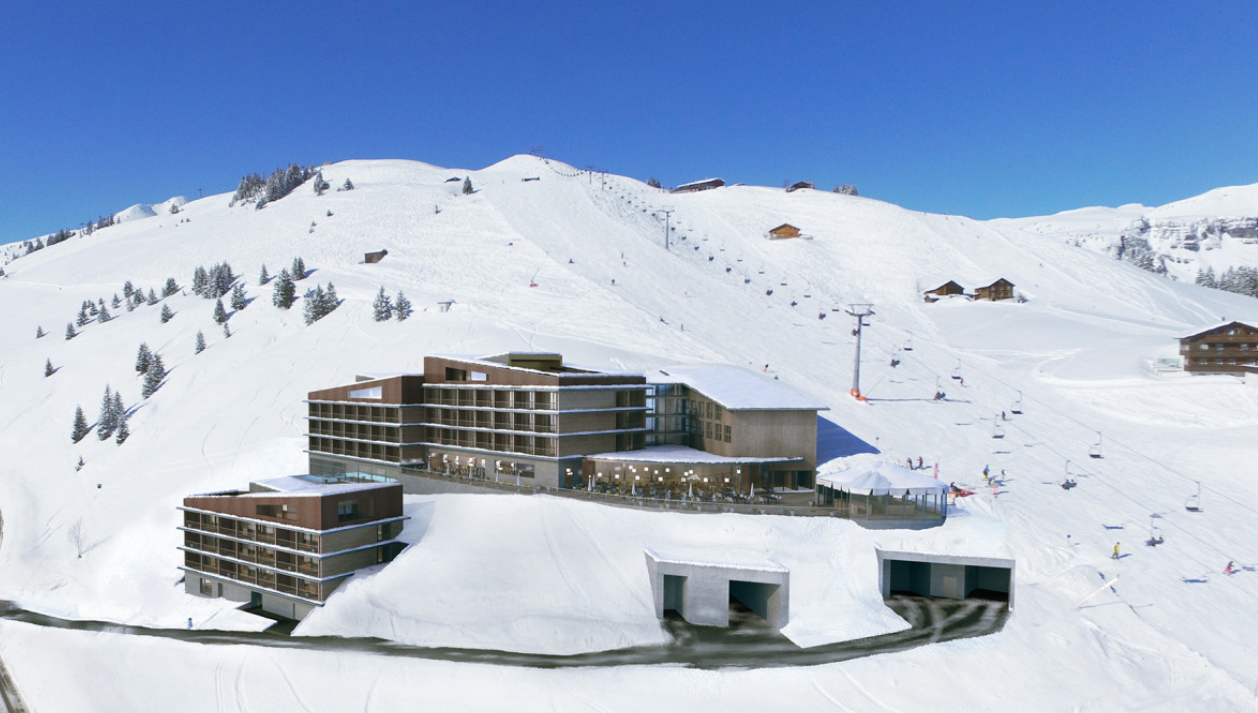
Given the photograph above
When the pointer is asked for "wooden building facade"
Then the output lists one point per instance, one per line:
(1230, 348)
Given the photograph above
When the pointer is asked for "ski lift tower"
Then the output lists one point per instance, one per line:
(668, 213)
(860, 312)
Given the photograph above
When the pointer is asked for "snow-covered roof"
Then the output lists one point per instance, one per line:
(1220, 325)
(699, 183)
(684, 455)
(737, 389)
(305, 485)
(762, 566)
(881, 477)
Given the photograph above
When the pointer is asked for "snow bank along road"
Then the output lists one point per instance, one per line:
(748, 643)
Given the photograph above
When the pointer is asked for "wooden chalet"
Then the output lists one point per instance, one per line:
(375, 257)
(948, 288)
(802, 184)
(1001, 289)
(783, 231)
(1228, 348)
(693, 186)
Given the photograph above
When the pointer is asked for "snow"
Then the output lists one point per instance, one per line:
(537, 573)
(881, 476)
(671, 453)
(738, 389)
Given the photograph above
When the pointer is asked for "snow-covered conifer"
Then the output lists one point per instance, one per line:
(382, 307)
(313, 308)
(467, 185)
(128, 289)
(239, 301)
(348, 185)
(124, 431)
(107, 421)
(402, 306)
(227, 330)
(48, 368)
(104, 314)
(82, 319)
(167, 314)
(200, 278)
(143, 358)
(220, 314)
(152, 298)
(284, 292)
(200, 341)
(70, 333)
(80, 426)
(263, 277)
(116, 302)
(39, 332)
(153, 377)
(299, 269)
(170, 288)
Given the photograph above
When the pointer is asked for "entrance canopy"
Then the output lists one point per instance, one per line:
(881, 478)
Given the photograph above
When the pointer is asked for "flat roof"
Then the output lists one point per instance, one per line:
(307, 486)
(685, 455)
(737, 389)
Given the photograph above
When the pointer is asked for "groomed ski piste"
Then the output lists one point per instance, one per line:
(550, 575)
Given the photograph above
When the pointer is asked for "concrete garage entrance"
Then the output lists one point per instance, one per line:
(945, 576)
(701, 592)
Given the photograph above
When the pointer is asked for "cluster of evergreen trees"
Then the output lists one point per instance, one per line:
(254, 189)
(320, 303)
(284, 291)
(384, 309)
(149, 364)
(1241, 280)
(111, 422)
(213, 283)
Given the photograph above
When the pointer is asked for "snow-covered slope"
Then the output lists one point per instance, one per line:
(608, 294)
(1216, 230)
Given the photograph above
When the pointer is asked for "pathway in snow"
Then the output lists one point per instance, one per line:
(748, 643)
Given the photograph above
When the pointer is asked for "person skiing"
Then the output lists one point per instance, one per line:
(1229, 569)
(919, 463)
(910, 463)
(986, 470)
(1115, 555)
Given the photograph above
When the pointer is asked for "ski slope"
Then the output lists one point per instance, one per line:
(548, 575)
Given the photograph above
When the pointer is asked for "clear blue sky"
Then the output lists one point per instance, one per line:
(985, 108)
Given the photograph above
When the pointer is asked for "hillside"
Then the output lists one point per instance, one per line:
(1078, 351)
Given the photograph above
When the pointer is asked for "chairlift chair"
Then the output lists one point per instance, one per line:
(1155, 535)
(1095, 450)
(1017, 407)
(908, 344)
(998, 431)
(1193, 503)
(956, 373)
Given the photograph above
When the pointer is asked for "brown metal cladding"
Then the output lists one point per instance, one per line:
(311, 513)
(404, 389)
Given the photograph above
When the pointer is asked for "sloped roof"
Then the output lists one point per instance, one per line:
(737, 389)
(1220, 325)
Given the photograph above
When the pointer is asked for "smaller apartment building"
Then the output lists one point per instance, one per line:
(1228, 348)
(287, 543)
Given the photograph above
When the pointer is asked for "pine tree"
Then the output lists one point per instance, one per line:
(467, 185)
(143, 358)
(82, 319)
(313, 308)
(39, 332)
(220, 314)
(124, 431)
(128, 289)
(104, 314)
(120, 419)
(80, 426)
(227, 331)
(106, 422)
(347, 186)
(167, 314)
(171, 287)
(299, 269)
(330, 300)
(239, 301)
(70, 333)
(284, 292)
(116, 302)
(200, 278)
(402, 307)
(152, 299)
(48, 368)
(79, 466)
(382, 308)
(653, 182)
(200, 342)
(153, 377)
(263, 278)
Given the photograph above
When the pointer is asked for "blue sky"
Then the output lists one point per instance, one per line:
(987, 109)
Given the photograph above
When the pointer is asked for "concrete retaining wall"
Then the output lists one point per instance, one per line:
(700, 591)
(947, 576)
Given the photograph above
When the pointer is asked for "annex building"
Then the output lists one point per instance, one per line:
(528, 417)
(287, 543)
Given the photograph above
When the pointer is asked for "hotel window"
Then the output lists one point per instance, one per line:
(709, 430)
(718, 412)
(1204, 346)
(709, 409)
(727, 434)
(207, 587)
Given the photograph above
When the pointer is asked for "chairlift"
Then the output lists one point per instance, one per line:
(956, 373)
(1067, 484)
(784, 282)
(1095, 450)
(1017, 407)
(1155, 535)
(1193, 503)
(908, 344)
(761, 270)
(746, 280)
(998, 431)
(807, 295)
(939, 392)
(894, 362)
(821, 315)
(769, 292)
(793, 303)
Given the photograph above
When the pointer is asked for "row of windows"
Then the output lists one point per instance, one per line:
(1219, 361)
(710, 408)
(1220, 347)
(712, 431)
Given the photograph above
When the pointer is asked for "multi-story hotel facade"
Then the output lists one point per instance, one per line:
(287, 543)
(530, 418)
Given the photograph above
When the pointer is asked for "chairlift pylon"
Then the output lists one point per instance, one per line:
(1193, 503)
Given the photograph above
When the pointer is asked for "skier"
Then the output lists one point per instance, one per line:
(910, 463)
(189, 622)
(986, 470)
(962, 380)
(1115, 555)
(1002, 416)
(766, 367)
(1069, 543)
(1229, 569)
(919, 463)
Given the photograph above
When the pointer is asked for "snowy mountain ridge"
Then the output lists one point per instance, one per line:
(577, 263)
